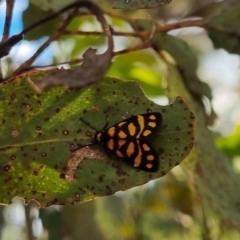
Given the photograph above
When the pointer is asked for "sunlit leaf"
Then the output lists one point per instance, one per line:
(38, 132)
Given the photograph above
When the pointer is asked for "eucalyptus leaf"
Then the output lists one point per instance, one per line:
(138, 4)
(39, 132)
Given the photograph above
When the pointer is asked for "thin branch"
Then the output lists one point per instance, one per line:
(115, 33)
(81, 4)
(54, 36)
(142, 46)
(168, 27)
(8, 19)
(182, 24)
(62, 30)
(7, 24)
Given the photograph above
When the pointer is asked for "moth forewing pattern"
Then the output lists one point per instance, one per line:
(128, 140)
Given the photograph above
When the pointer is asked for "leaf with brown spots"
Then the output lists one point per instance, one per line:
(38, 162)
(138, 4)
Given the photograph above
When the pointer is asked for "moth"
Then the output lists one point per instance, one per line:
(129, 140)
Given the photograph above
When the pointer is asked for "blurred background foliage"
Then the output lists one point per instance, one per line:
(169, 208)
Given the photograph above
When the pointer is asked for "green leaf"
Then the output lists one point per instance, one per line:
(223, 29)
(184, 57)
(43, 30)
(38, 132)
(231, 144)
(129, 66)
(137, 4)
(212, 173)
(53, 5)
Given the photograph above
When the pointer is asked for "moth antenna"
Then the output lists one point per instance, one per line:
(88, 124)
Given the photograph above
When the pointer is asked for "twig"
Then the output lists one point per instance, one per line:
(168, 27)
(54, 36)
(8, 19)
(87, 4)
(7, 23)
(115, 33)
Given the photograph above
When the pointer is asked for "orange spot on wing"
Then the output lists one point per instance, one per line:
(152, 124)
(131, 129)
(111, 131)
(150, 157)
(121, 142)
(146, 133)
(152, 117)
(122, 134)
(130, 149)
(119, 154)
(145, 147)
(149, 165)
(110, 144)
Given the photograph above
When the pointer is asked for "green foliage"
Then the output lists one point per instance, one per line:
(129, 67)
(36, 149)
(224, 31)
(35, 152)
(231, 144)
(40, 31)
(137, 4)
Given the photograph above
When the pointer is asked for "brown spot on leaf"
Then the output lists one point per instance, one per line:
(44, 154)
(77, 195)
(122, 181)
(13, 96)
(62, 176)
(120, 172)
(6, 168)
(88, 134)
(192, 115)
(15, 133)
(101, 177)
(65, 132)
(72, 146)
(7, 179)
